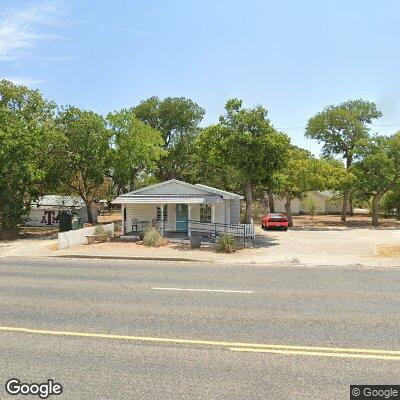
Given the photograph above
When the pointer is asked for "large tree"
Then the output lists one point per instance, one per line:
(244, 147)
(136, 147)
(28, 144)
(177, 118)
(84, 161)
(378, 170)
(340, 128)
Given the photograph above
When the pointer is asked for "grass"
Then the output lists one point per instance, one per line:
(384, 250)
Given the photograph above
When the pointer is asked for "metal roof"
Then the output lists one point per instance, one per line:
(130, 198)
(56, 201)
(223, 193)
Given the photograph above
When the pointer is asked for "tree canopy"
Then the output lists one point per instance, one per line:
(177, 118)
(304, 173)
(340, 128)
(136, 147)
(246, 144)
(85, 158)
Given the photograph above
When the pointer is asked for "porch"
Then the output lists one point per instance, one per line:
(171, 217)
(182, 210)
(208, 232)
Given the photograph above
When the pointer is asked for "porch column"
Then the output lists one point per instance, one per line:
(162, 219)
(213, 213)
(123, 219)
(189, 218)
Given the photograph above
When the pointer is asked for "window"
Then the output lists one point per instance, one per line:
(165, 213)
(205, 213)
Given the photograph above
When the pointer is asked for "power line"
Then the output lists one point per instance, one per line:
(374, 125)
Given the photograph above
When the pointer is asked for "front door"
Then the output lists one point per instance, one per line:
(181, 217)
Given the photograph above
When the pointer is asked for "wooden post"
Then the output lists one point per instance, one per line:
(189, 218)
(162, 219)
(123, 220)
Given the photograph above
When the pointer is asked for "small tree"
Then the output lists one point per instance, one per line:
(304, 173)
(310, 206)
(340, 129)
(85, 157)
(391, 202)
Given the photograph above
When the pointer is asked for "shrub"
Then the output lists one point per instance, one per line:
(391, 203)
(310, 206)
(153, 238)
(100, 230)
(227, 244)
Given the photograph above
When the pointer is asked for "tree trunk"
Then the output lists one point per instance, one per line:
(345, 202)
(8, 233)
(288, 209)
(89, 211)
(376, 199)
(8, 230)
(346, 194)
(249, 203)
(351, 206)
(271, 204)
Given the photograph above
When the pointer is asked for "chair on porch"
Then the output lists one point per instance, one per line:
(135, 223)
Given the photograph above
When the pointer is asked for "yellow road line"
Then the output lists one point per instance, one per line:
(316, 353)
(152, 339)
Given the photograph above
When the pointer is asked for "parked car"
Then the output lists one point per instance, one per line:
(275, 220)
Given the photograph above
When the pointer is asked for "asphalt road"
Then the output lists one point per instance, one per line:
(125, 330)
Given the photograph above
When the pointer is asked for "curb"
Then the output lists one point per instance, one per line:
(88, 257)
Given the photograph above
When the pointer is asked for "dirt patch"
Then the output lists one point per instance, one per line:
(32, 232)
(119, 244)
(384, 250)
(107, 218)
(334, 221)
(125, 245)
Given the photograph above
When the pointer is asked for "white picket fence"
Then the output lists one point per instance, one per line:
(250, 231)
(240, 230)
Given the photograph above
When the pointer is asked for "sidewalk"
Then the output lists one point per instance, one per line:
(335, 248)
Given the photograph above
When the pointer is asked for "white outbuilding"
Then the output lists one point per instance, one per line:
(45, 211)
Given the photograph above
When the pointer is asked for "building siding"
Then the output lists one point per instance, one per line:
(279, 204)
(38, 215)
(234, 211)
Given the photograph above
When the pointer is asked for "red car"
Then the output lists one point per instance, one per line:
(275, 220)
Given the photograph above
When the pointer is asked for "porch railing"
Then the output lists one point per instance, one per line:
(209, 230)
(215, 229)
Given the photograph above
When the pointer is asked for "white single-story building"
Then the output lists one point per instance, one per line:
(325, 202)
(176, 206)
(45, 211)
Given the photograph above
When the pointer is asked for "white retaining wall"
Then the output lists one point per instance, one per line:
(73, 238)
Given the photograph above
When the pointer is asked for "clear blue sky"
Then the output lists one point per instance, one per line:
(294, 57)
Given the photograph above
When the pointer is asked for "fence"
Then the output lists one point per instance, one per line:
(73, 238)
(214, 229)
